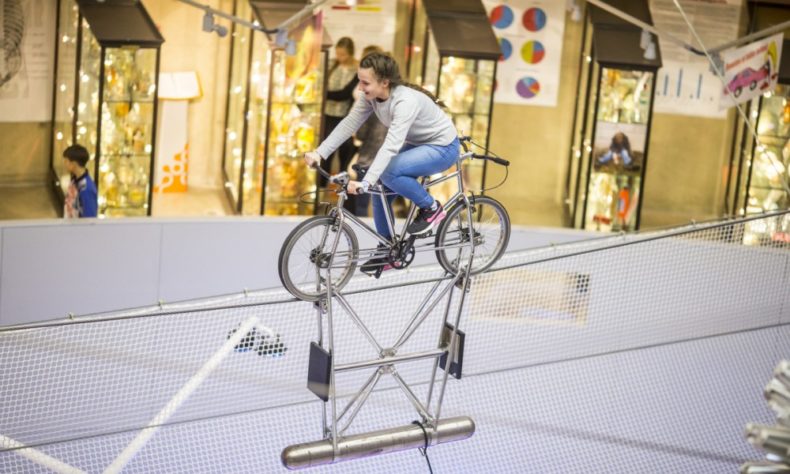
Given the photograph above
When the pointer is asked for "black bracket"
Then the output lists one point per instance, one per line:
(457, 364)
(463, 278)
(319, 371)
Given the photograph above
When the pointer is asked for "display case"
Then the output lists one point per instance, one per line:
(611, 128)
(458, 69)
(239, 100)
(759, 171)
(106, 99)
(274, 114)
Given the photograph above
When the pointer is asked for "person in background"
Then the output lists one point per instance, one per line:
(619, 151)
(370, 136)
(81, 198)
(341, 82)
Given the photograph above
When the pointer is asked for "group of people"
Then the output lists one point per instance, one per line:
(342, 91)
(404, 134)
(413, 138)
(402, 131)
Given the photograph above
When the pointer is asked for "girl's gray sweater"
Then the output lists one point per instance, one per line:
(411, 117)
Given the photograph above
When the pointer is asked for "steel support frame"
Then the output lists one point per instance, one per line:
(388, 357)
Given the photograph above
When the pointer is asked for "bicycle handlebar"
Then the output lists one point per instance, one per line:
(341, 178)
(466, 138)
(495, 159)
(463, 140)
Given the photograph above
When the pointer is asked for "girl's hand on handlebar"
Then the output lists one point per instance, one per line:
(312, 159)
(355, 187)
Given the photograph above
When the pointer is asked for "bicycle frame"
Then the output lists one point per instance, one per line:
(378, 191)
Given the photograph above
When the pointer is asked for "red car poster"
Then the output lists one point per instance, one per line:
(751, 70)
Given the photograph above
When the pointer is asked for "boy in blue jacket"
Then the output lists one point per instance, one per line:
(81, 200)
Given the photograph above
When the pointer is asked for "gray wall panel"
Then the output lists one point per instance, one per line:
(50, 271)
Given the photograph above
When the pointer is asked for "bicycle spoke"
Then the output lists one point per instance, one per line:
(489, 234)
(305, 265)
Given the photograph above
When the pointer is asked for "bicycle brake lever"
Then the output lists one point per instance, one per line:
(341, 178)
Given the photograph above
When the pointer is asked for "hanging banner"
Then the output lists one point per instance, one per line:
(751, 70)
(530, 34)
(172, 139)
(367, 22)
(685, 84)
(307, 35)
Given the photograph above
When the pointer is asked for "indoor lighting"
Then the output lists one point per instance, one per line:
(576, 11)
(644, 40)
(650, 51)
(209, 26)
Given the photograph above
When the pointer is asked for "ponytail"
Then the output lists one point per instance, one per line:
(435, 99)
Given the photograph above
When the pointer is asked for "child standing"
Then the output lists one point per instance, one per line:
(81, 196)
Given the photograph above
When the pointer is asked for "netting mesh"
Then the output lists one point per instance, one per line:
(632, 353)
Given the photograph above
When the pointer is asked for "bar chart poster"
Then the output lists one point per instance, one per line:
(685, 84)
(688, 89)
(529, 33)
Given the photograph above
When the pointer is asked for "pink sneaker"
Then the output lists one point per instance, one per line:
(427, 220)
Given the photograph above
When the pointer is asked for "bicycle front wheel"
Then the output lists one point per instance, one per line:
(490, 234)
(306, 256)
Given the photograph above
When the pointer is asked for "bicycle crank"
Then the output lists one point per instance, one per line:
(402, 254)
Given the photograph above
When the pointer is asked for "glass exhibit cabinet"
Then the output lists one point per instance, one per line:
(274, 114)
(459, 70)
(106, 100)
(611, 129)
(759, 171)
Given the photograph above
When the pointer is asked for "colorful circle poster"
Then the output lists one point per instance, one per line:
(533, 52)
(534, 19)
(528, 87)
(501, 17)
(530, 35)
(506, 47)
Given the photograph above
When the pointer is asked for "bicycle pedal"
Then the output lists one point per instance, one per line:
(423, 236)
(375, 274)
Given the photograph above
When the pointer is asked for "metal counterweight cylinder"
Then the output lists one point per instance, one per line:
(304, 455)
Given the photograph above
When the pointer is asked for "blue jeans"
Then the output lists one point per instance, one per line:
(401, 176)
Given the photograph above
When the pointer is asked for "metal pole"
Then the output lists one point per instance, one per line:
(255, 26)
(367, 387)
(365, 394)
(436, 362)
(411, 327)
(331, 334)
(390, 360)
(464, 289)
(358, 322)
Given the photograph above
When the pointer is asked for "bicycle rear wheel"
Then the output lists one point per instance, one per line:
(490, 233)
(305, 256)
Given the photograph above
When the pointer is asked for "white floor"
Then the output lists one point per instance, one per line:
(38, 202)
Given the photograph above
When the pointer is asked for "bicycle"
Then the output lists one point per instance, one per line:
(314, 245)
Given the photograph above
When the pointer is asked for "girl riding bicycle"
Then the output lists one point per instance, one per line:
(421, 141)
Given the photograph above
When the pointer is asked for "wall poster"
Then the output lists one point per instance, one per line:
(367, 22)
(685, 84)
(27, 36)
(751, 70)
(530, 34)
